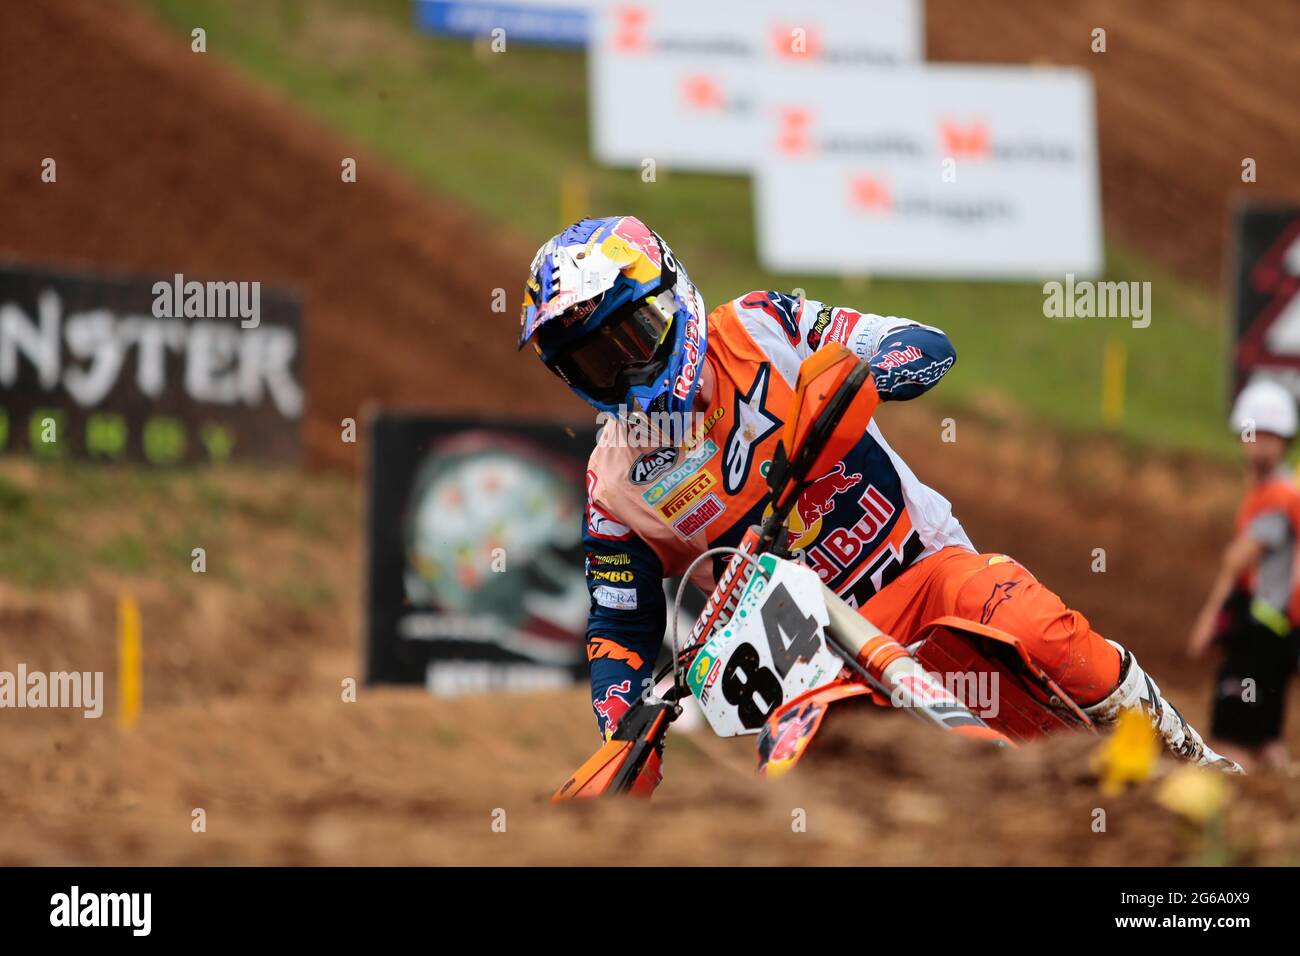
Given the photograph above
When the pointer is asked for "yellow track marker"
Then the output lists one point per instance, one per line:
(128, 662)
(1114, 362)
(574, 203)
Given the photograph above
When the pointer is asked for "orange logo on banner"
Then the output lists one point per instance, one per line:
(793, 138)
(702, 92)
(870, 194)
(629, 33)
(972, 140)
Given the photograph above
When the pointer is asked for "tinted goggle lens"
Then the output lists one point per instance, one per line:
(603, 359)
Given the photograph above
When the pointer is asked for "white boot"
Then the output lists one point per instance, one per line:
(1137, 689)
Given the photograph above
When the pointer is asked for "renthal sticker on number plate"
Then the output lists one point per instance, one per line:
(685, 497)
(691, 464)
(651, 465)
(618, 599)
(699, 517)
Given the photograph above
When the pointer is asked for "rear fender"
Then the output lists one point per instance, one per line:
(1029, 704)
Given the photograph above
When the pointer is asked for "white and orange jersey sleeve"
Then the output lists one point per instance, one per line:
(906, 358)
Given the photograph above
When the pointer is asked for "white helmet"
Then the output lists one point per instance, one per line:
(1265, 406)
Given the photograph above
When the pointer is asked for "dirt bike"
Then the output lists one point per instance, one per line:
(774, 648)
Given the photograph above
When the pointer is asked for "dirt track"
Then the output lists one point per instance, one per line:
(402, 779)
(167, 162)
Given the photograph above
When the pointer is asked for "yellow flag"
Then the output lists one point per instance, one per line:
(1129, 754)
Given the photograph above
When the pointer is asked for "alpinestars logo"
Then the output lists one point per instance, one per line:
(1000, 594)
(751, 425)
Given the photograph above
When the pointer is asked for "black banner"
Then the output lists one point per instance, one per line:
(977, 907)
(475, 553)
(1265, 284)
(165, 370)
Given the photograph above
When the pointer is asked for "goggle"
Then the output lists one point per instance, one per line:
(624, 351)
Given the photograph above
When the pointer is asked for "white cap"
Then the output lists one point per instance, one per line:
(1265, 406)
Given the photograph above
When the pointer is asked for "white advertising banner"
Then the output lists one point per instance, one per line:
(938, 170)
(680, 82)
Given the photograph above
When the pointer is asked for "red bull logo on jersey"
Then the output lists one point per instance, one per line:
(819, 497)
(816, 502)
(846, 545)
(897, 358)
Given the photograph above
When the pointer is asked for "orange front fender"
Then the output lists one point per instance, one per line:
(786, 734)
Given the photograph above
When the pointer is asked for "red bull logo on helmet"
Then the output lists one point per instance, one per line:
(691, 368)
(638, 235)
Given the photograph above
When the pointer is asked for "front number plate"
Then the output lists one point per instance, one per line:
(773, 649)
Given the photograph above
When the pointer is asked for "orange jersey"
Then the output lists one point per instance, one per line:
(860, 525)
(1270, 513)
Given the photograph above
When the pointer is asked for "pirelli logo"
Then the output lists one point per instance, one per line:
(685, 496)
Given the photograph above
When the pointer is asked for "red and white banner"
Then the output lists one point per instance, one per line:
(681, 82)
(938, 170)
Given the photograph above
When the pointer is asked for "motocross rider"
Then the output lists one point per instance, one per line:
(612, 312)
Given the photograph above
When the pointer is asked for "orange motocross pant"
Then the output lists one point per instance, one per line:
(996, 590)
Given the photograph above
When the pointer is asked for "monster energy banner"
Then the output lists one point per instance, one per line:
(165, 369)
(1266, 285)
(475, 554)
